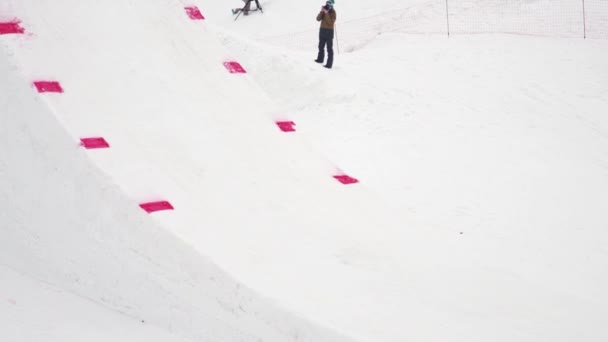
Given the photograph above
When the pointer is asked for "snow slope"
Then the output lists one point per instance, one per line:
(70, 217)
(481, 209)
(66, 223)
(496, 144)
(34, 311)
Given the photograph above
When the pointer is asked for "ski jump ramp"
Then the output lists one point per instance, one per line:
(144, 175)
(144, 170)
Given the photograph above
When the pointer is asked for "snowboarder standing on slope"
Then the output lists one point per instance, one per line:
(327, 17)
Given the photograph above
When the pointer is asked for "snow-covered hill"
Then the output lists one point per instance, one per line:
(482, 160)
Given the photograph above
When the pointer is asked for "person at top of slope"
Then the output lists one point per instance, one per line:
(247, 8)
(327, 17)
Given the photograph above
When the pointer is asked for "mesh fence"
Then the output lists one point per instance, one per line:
(596, 18)
(552, 18)
(533, 17)
(558, 18)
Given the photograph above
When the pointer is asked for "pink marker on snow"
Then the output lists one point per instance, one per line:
(11, 27)
(91, 143)
(286, 126)
(151, 207)
(234, 67)
(346, 179)
(48, 87)
(194, 13)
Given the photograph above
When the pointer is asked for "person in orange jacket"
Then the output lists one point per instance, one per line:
(327, 17)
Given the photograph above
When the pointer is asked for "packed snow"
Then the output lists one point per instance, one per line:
(481, 211)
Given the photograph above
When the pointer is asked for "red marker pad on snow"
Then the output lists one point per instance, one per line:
(48, 87)
(90, 143)
(234, 68)
(151, 207)
(12, 27)
(194, 13)
(286, 126)
(345, 179)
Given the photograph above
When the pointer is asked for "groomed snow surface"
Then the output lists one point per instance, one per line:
(479, 211)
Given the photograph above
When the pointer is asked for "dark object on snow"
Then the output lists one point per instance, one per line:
(247, 8)
(327, 17)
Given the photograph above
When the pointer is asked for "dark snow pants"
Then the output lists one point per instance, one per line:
(326, 37)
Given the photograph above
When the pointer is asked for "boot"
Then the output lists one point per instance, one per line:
(330, 55)
(320, 56)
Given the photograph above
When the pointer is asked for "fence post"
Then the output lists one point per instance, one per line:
(584, 22)
(447, 17)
